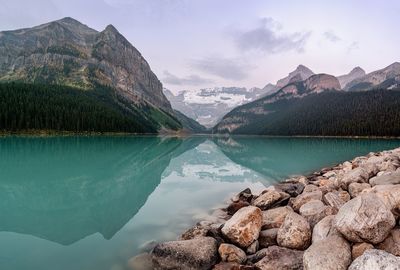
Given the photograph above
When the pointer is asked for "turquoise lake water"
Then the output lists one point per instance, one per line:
(86, 203)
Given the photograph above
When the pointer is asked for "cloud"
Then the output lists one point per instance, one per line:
(268, 37)
(353, 46)
(189, 80)
(226, 68)
(331, 36)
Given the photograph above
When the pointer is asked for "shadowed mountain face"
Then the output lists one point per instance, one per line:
(87, 185)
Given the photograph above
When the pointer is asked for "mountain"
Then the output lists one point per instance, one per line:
(190, 125)
(208, 106)
(354, 74)
(387, 78)
(301, 73)
(69, 53)
(245, 116)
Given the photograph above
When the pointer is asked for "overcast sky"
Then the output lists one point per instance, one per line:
(191, 44)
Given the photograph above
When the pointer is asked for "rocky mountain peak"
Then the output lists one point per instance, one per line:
(320, 82)
(354, 74)
(299, 74)
(357, 71)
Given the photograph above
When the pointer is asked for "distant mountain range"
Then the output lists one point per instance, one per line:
(69, 53)
(324, 105)
(208, 106)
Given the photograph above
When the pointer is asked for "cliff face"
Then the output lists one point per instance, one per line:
(70, 53)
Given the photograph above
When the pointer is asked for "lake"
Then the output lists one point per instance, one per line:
(86, 203)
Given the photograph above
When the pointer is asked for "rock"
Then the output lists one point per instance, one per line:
(310, 188)
(274, 218)
(327, 185)
(244, 195)
(233, 266)
(392, 243)
(387, 179)
(196, 254)
(292, 188)
(197, 231)
(141, 262)
(244, 227)
(331, 253)
(253, 248)
(389, 194)
(324, 228)
(294, 233)
(314, 211)
(305, 197)
(359, 249)
(357, 175)
(356, 188)
(374, 259)
(344, 195)
(231, 253)
(333, 200)
(365, 219)
(280, 258)
(267, 238)
(235, 206)
(269, 198)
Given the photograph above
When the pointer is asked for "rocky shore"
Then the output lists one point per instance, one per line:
(343, 217)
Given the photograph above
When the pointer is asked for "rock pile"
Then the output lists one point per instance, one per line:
(344, 217)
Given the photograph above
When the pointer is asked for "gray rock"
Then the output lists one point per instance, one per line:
(374, 259)
(355, 189)
(357, 175)
(294, 233)
(194, 254)
(253, 248)
(331, 253)
(267, 238)
(365, 219)
(269, 198)
(231, 253)
(314, 211)
(392, 243)
(304, 198)
(244, 227)
(387, 179)
(389, 194)
(333, 200)
(280, 258)
(292, 188)
(274, 218)
(324, 228)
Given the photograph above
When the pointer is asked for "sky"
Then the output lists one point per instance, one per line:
(193, 44)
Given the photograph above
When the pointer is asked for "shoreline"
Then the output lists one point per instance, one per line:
(52, 133)
(340, 217)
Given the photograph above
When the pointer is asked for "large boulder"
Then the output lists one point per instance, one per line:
(323, 229)
(365, 219)
(294, 233)
(231, 253)
(375, 259)
(244, 227)
(314, 211)
(357, 175)
(355, 189)
(386, 179)
(331, 253)
(292, 188)
(270, 198)
(195, 254)
(274, 218)
(332, 199)
(392, 243)
(304, 198)
(280, 258)
(389, 194)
